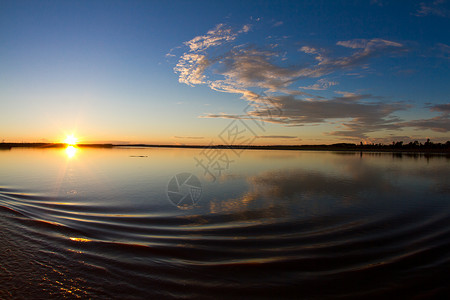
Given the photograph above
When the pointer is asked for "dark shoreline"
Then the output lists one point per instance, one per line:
(433, 148)
(50, 145)
(334, 147)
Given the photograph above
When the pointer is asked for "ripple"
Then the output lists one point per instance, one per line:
(161, 253)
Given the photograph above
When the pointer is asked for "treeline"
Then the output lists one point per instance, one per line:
(409, 146)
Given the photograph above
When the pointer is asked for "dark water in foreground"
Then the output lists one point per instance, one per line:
(97, 223)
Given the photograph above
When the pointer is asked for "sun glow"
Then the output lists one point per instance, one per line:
(71, 151)
(71, 140)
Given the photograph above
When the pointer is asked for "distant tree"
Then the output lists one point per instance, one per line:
(398, 144)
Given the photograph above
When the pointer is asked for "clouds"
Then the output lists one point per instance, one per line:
(376, 2)
(189, 137)
(277, 24)
(321, 84)
(439, 123)
(364, 51)
(312, 50)
(443, 51)
(370, 48)
(435, 8)
(445, 108)
(223, 62)
(191, 68)
(358, 116)
(192, 65)
(255, 68)
(220, 34)
(277, 137)
(245, 66)
(246, 28)
(368, 45)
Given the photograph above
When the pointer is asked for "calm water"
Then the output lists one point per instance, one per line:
(98, 223)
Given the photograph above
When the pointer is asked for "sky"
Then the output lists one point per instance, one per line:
(225, 72)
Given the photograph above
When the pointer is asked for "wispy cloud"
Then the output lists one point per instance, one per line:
(220, 34)
(189, 137)
(358, 116)
(435, 8)
(445, 108)
(439, 123)
(443, 50)
(370, 48)
(193, 64)
(376, 2)
(277, 24)
(321, 84)
(311, 50)
(246, 28)
(277, 137)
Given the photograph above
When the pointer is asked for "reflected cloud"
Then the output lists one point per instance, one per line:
(304, 184)
(346, 182)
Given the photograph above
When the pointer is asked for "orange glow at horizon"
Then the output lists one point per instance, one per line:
(71, 140)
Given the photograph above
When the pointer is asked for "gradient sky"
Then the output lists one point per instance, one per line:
(195, 72)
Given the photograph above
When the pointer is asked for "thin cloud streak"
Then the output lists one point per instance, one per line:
(438, 124)
(276, 137)
(432, 8)
(189, 137)
(320, 85)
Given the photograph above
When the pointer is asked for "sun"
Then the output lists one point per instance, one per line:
(71, 140)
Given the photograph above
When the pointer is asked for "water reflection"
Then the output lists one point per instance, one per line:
(336, 180)
(71, 151)
(279, 225)
(396, 155)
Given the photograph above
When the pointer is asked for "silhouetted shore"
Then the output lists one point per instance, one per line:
(50, 145)
(395, 147)
(333, 147)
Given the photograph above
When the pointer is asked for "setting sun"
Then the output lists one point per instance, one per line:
(71, 140)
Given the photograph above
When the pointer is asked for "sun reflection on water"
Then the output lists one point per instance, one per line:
(71, 151)
(83, 240)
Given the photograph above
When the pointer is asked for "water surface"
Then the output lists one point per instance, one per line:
(98, 223)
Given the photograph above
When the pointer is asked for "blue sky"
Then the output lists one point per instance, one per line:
(180, 72)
